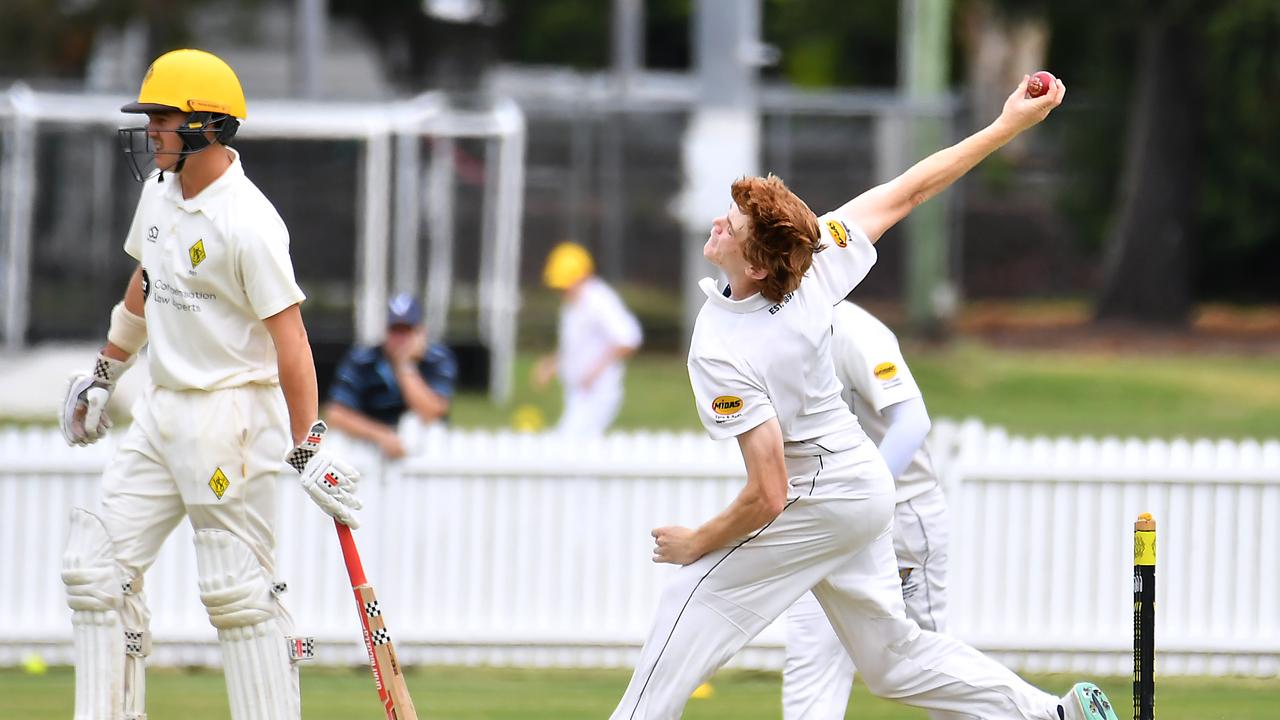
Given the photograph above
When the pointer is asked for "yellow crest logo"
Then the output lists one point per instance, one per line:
(839, 232)
(726, 404)
(197, 253)
(219, 482)
(886, 371)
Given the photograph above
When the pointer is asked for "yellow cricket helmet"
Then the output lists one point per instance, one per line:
(567, 265)
(190, 81)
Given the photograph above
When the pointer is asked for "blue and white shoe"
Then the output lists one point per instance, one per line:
(1086, 701)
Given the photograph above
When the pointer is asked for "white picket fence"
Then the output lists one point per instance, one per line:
(510, 549)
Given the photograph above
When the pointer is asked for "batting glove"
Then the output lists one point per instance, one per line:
(84, 418)
(330, 482)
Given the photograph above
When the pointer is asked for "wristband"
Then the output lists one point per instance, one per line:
(128, 331)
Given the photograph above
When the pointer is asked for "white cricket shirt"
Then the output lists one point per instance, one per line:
(753, 359)
(594, 323)
(214, 266)
(869, 364)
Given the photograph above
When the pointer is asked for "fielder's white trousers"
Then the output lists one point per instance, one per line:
(588, 413)
(818, 673)
(169, 464)
(835, 539)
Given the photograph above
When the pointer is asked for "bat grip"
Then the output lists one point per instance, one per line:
(349, 554)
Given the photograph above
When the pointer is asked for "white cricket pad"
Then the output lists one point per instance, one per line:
(95, 595)
(137, 646)
(262, 683)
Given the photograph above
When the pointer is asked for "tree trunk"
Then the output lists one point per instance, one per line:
(1146, 273)
(999, 49)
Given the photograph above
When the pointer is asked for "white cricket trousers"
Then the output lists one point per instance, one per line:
(172, 463)
(818, 673)
(589, 413)
(834, 538)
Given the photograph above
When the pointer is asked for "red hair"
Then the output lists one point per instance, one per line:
(783, 235)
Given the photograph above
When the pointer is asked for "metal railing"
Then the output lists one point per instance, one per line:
(393, 211)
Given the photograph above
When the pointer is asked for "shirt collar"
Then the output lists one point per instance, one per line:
(207, 200)
(745, 305)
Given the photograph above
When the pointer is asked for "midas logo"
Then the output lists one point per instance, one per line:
(726, 404)
(839, 232)
(886, 371)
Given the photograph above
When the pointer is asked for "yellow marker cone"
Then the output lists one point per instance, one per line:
(704, 692)
(527, 418)
(33, 663)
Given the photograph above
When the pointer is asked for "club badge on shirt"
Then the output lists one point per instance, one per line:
(197, 253)
(219, 482)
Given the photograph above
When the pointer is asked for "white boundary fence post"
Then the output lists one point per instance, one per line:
(516, 549)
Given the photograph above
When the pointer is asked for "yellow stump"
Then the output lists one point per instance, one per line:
(1144, 618)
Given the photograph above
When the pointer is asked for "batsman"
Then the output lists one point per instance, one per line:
(233, 389)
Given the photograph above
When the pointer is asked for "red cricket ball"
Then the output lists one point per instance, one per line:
(1039, 84)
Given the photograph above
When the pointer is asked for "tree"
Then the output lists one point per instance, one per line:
(39, 41)
(1000, 45)
(1147, 257)
(1239, 208)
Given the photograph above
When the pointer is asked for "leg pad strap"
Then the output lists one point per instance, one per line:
(237, 592)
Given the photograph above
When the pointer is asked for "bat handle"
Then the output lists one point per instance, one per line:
(349, 554)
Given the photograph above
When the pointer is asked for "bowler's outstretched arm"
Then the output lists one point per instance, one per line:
(883, 206)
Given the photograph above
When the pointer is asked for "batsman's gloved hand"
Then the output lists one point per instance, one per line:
(330, 482)
(84, 418)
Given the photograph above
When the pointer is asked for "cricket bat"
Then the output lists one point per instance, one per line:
(387, 676)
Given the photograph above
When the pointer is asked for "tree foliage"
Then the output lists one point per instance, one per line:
(1239, 208)
(834, 42)
(1230, 95)
(37, 40)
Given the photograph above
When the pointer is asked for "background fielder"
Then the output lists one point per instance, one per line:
(882, 393)
(232, 376)
(595, 336)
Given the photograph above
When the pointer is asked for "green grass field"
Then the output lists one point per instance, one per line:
(511, 694)
(1085, 393)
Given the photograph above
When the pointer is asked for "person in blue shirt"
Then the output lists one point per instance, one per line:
(374, 386)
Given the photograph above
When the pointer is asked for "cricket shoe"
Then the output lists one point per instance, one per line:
(1086, 701)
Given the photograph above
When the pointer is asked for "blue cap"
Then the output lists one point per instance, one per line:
(404, 309)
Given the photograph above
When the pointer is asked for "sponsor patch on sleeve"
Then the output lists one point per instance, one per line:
(727, 407)
(887, 374)
(839, 232)
(886, 371)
